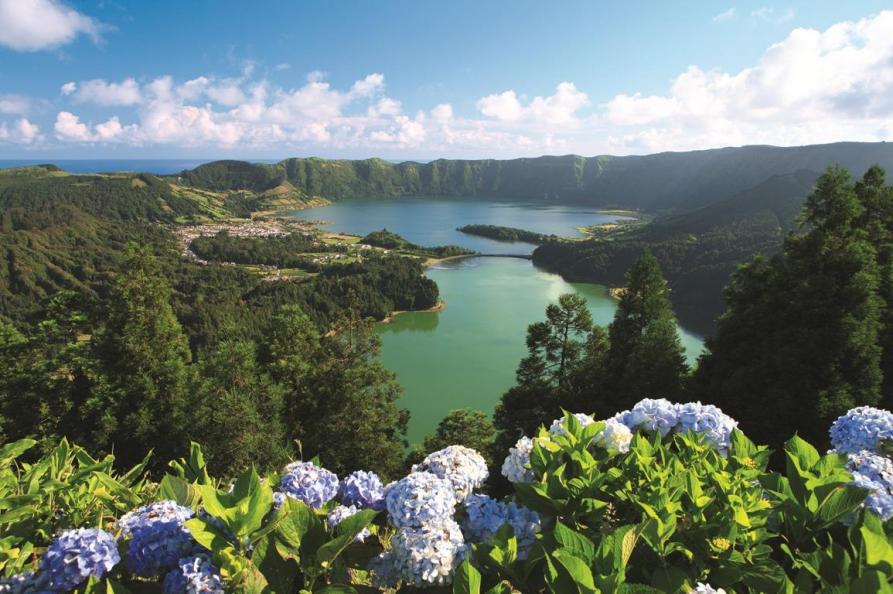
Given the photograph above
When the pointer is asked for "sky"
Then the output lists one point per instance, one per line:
(410, 79)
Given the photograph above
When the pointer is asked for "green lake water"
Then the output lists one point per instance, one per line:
(466, 355)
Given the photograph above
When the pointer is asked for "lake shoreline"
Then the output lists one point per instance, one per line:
(438, 307)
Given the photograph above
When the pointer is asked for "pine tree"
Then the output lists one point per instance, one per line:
(799, 342)
(645, 359)
(465, 426)
(144, 357)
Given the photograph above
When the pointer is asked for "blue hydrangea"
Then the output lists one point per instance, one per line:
(278, 499)
(709, 421)
(194, 575)
(515, 466)
(76, 556)
(463, 467)
(875, 473)
(363, 490)
(651, 415)
(615, 436)
(419, 498)
(341, 513)
(485, 516)
(861, 428)
(428, 555)
(26, 583)
(557, 426)
(158, 538)
(309, 483)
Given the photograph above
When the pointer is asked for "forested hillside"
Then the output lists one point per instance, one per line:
(697, 250)
(661, 181)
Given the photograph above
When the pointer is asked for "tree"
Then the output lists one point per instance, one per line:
(464, 426)
(239, 420)
(339, 401)
(144, 358)
(645, 358)
(799, 342)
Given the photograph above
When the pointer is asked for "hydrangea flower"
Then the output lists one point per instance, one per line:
(861, 428)
(158, 538)
(514, 468)
(166, 510)
(194, 575)
(419, 498)
(874, 473)
(278, 499)
(557, 426)
(309, 483)
(76, 555)
(26, 583)
(615, 436)
(485, 516)
(701, 588)
(709, 421)
(428, 555)
(362, 489)
(341, 513)
(651, 415)
(463, 467)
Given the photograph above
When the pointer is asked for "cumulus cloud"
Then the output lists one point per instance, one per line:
(22, 131)
(68, 88)
(559, 108)
(101, 92)
(34, 25)
(70, 128)
(814, 86)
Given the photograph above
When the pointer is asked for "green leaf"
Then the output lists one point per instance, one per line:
(467, 579)
(295, 524)
(207, 534)
(878, 550)
(841, 501)
(345, 532)
(578, 571)
(172, 487)
(13, 450)
(575, 542)
(280, 573)
(337, 589)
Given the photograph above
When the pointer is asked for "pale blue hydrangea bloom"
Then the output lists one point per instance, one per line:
(702, 588)
(485, 516)
(557, 426)
(309, 483)
(419, 498)
(428, 555)
(76, 555)
(709, 421)
(362, 489)
(514, 468)
(463, 467)
(651, 415)
(278, 499)
(26, 583)
(875, 473)
(158, 537)
(341, 513)
(861, 428)
(194, 575)
(615, 436)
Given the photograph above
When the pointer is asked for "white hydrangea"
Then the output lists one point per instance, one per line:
(557, 426)
(463, 467)
(615, 436)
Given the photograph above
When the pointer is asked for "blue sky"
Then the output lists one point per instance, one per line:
(410, 79)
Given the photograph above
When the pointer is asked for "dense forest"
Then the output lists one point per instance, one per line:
(501, 233)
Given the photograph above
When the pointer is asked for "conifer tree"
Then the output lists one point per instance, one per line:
(799, 342)
(144, 358)
(645, 359)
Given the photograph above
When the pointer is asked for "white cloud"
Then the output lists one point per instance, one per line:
(769, 14)
(21, 132)
(69, 128)
(34, 25)
(560, 108)
(68, 88)
(14, 104)
(726, 15)
(101, 92)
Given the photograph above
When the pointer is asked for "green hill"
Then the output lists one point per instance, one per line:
(664, 181)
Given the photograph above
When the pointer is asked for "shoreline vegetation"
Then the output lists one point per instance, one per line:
(436, 308)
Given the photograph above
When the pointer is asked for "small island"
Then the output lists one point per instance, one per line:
(501, 233)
